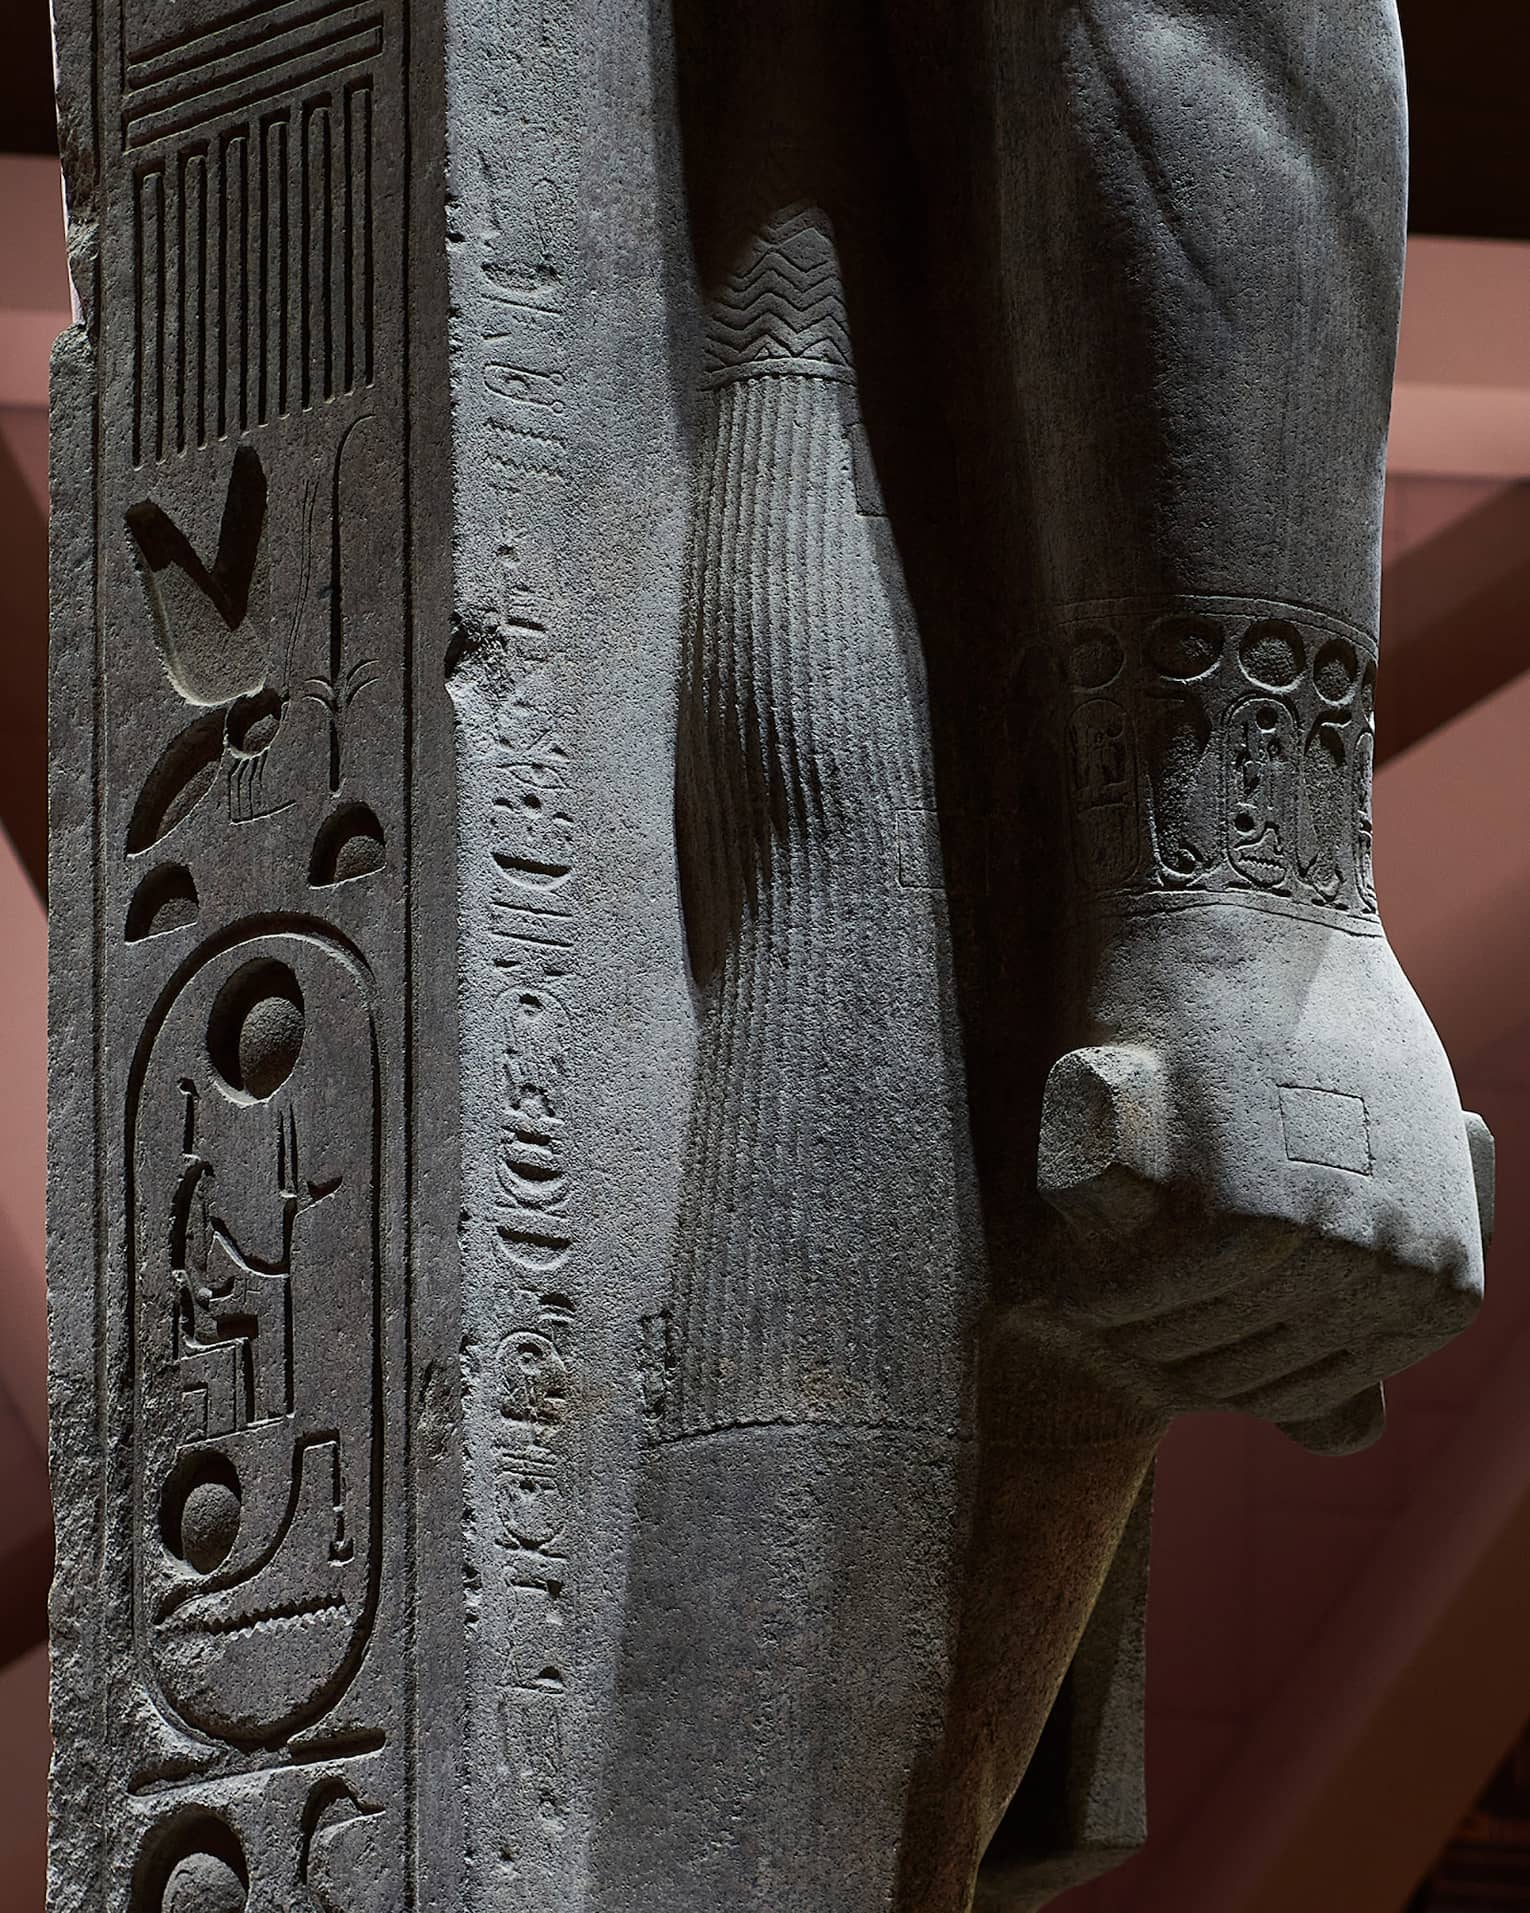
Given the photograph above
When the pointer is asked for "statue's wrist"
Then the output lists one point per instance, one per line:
(1215, 749)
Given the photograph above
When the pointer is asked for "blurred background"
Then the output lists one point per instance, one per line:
(1338, 1651)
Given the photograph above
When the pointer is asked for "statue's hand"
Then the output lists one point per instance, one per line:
(1272, 1196)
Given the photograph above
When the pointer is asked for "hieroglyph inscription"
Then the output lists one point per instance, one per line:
(255, 1264)
(251, 1008)
(520, 1246)
(254, 220)
(1218, 747)
(513, 202)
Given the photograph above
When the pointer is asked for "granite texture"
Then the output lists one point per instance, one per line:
(713, 936)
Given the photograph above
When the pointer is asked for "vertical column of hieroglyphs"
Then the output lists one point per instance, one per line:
(251, 731)
(511, 85)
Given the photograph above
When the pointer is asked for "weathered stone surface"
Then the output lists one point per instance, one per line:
(246, 727)
(713, 935)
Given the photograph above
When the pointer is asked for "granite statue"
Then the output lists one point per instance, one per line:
(713, 925)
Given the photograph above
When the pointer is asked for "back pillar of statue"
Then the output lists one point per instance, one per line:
(369, 1012)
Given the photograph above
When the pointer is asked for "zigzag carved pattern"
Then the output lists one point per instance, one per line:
(288, 1614)
(784, 309)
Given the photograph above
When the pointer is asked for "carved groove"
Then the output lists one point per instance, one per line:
(275, 198)
(165, 900)
(186, 771)
(166, 102)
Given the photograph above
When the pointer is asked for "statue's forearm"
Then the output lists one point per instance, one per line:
(1202, 226)
(1202, 231)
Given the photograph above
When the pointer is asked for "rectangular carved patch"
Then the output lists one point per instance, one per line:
(1325, 1126)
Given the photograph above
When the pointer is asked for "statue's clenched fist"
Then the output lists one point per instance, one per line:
(1270, 1197)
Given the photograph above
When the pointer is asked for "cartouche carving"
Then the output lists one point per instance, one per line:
(259, 1532)
(1219, 748)
(684, 1013)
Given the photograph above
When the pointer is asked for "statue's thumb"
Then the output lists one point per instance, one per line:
(1101, 1159)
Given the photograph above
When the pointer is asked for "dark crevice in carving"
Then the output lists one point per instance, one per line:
(349, 845)
(227, 585)
(360, 98)
(199, 1511)
(273, 270)
(255, 1031)
(332, 1804)
(165, 900)
(343, 684)
(253, 722)
(337, 1746)
(193, 1859)
(178, 782)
